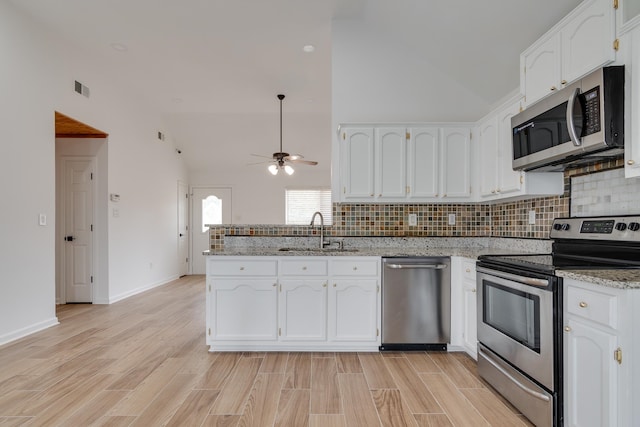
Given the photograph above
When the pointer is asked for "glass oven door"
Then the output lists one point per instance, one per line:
(516, 321)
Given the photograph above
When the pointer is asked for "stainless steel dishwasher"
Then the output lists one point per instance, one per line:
(416, 303)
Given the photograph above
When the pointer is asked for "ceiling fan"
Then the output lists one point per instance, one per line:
(281, 160)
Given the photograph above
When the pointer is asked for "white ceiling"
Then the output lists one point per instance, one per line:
(201, 61)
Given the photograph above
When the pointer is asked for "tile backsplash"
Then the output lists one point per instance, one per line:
(586, 189)
(605, 193)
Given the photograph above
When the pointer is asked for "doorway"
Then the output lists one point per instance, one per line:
(209, 205)
(81, 213)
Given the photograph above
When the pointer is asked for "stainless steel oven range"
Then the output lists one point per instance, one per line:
(520, 309)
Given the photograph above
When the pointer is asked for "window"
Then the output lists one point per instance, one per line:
(211, 212)
(302, 203)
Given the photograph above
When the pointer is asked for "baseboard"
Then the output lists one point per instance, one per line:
(21, 333)
(141, 289)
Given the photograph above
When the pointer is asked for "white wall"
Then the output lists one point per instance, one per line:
(36, 78)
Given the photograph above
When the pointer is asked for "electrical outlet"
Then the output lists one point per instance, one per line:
(452, 219)
(42, 219)
(413, 219)
(532, 217)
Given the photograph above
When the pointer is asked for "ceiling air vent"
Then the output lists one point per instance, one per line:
(81, 89)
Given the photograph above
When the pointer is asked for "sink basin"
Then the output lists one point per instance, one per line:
(317, 250)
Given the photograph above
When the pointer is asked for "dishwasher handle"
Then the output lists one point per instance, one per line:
(414, 266)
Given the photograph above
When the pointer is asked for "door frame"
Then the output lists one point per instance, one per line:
(192, 225)
(187, 219)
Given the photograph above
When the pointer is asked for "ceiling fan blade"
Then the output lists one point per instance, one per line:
(260, 163)
(303, 162)
(294, 157)
(260, 155)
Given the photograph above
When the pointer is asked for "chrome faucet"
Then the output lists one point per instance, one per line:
(313, 218)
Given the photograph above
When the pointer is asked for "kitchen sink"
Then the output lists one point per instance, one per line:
(317, 250)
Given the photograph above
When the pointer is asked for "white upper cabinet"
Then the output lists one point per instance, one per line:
(580, 43)
(456, 162)
(357, 163)
(540, 69)
(423, 162)
(404, 163)
(631, 49)
(390, 157)
(496, 176)
(628, 15)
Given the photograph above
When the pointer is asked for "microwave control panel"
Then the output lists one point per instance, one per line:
(592, 111)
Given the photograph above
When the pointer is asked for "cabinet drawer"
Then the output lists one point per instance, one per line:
(595, 306)
(242, 267)
(359, 267)
(304, 267)
(469, 269)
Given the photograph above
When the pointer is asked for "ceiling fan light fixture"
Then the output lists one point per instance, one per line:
(288, 169)
(273, 169)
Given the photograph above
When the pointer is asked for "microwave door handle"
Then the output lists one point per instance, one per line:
(570, 124)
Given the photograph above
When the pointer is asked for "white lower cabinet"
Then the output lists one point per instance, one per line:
(309, 303)
(303, 310)
(353, 310)
(601, 360)
(464, 329)
(244, 309)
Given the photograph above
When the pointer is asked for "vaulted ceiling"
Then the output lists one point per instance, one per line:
(223, 62)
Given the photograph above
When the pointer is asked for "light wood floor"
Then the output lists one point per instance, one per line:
(143, 362)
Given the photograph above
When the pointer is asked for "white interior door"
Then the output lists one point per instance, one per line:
(209, 205)
(78, 230)
(183, 235)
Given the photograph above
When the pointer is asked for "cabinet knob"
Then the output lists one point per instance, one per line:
(355, 268)
(552, 88)
(304, 268)
(380, 195)
(582, 304)
(241, 268)
(468, 270)
(275, 284)
(564, 82)
(631, 162)
(473, 290)
(371, 194)
(324, 285)
(334, 285)
(567, 328)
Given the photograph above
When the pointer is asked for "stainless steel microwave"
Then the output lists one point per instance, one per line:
(581, 123)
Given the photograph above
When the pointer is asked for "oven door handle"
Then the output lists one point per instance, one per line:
(542, 283)
(515, 381)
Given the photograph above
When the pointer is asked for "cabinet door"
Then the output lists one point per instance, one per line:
(423, 162)
(357, 163)
(244, 309)
(509, 181)
(541, 69)
(488, 152)
(587, 40)
(591, 379)
(390, 154)
(470, 324)
(303, 309)
(631, 44)
(353, 310)
(456, 162)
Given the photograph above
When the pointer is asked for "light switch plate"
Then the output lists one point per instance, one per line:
(452, 219)
(532, 217)
(42, 219)
(413, 219)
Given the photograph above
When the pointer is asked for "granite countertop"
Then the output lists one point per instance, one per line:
(465, 252)
(621, 279)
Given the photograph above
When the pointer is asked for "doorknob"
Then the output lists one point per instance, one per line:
(69, 238)
(181, 234)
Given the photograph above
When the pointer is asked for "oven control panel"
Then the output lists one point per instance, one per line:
(621, 228)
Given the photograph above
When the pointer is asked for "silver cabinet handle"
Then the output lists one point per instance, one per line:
(409, 266)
